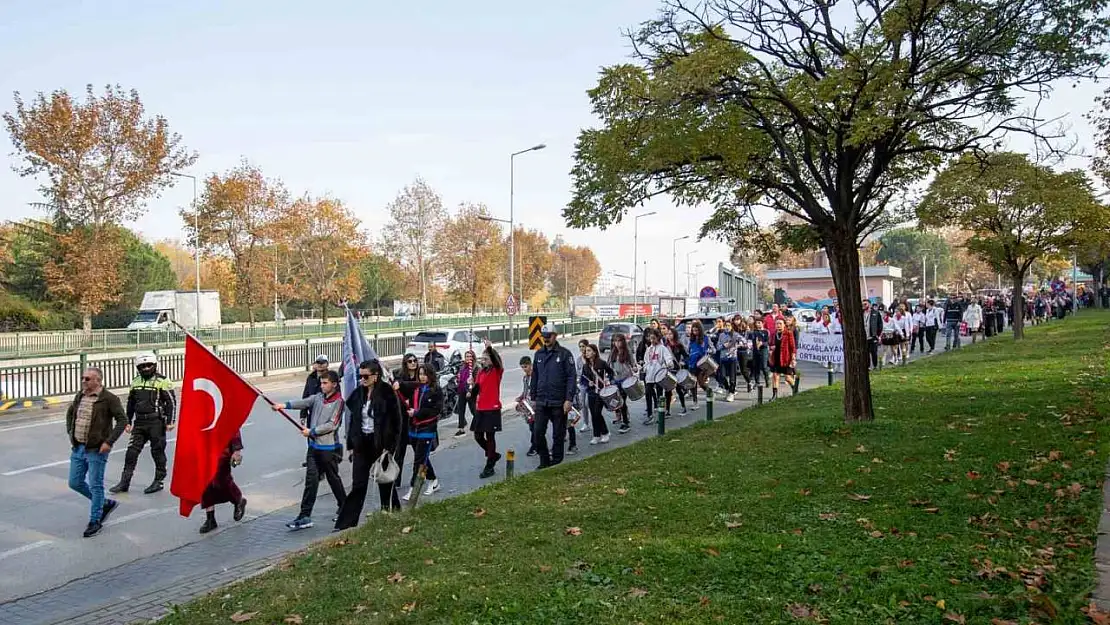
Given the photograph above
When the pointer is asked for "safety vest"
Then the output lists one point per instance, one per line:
(147, 394)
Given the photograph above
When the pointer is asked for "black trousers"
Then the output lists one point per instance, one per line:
(743, 365)
(557, 419)
(873, 350)
(321, 461)
(146, 428)
(597, 418)
(931, 336)
(421, 454)
(918, 339)
(728, 374)
(364, 457)
(461, 405)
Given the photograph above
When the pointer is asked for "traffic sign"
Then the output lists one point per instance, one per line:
(708, 291)
(510, 305)
(535, 325)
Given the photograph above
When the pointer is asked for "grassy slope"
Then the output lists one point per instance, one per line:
(980, 499)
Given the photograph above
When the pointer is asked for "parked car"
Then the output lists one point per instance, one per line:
(450, 342)
(631, 331)
(707, 322)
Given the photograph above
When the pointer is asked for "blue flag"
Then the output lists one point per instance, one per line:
(356, 349)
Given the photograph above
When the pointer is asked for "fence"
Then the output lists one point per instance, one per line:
(36, 381)
(25, 344)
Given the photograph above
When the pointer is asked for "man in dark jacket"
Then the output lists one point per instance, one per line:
(873, 330)
(434, 358)
(94, 422)
(553, 387)
(151, 409)
(953, 315)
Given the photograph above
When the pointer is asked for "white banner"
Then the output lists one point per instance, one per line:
(821, 348)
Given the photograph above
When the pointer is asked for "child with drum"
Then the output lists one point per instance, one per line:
(524, 406)
(624, 373)
(678, 351)
(701, 362)
(600, 391)
(658, 361)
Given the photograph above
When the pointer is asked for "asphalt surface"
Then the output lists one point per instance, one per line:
(41, 520)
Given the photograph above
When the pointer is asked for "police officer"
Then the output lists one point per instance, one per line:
(150, 414)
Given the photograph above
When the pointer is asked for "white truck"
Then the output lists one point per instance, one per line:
(678, 307)
(160, 309)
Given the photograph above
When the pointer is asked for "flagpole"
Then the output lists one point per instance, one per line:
(296, 423)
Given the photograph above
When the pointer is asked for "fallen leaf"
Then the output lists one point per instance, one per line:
(877, 460)
(1003, 466)
(408, 607)
(574, 531)
(406, 529)
(242, 617)
(732, 524)
(429, 562)
(294, 619)
(931, 510)
(955, 618)
(805, 492)
(359, 609)
(801, 611)
(565, 500)
(621, 491)
(998, 621)
(396, 578)
(479, 513)
(544, 568)
(876, 534)
(828, 516)
(1053, 455)
(905, 564)
(703, 601)
(1075, 488)
(940, 604)
(860, 449)
(972, 475)
(713, 552)
(636, 593)
(1031, 482)
(859, 497)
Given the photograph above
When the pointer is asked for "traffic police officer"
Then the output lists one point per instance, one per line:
(150, 414)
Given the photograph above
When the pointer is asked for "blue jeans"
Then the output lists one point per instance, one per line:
(84, 463)
(952, 335)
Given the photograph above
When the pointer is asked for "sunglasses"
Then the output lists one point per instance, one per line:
(86, 378)
(367, 376)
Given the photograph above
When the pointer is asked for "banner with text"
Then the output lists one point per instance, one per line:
(821, 347)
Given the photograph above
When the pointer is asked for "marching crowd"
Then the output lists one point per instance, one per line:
(391, 411)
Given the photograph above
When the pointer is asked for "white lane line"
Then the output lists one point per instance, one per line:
(12, 428)
(138, 515)
(59, 463)
(273, 474)
(23, 549)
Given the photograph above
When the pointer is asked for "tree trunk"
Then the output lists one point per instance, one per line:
(324, 310)
(845, 264)
(86, 323)
(423, 290)
(250, 314)
(1017, 307)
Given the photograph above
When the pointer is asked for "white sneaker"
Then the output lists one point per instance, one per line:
(694, 406)
(730, 397)
(407, 495)
(432, 487)
(595, 440)
(604, 438)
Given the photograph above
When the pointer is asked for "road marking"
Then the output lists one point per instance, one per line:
(12, 428)
(23, 549)
(59, 463)
(138, 515)
(266, 476)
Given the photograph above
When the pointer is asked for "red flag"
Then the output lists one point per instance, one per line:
(215, 402)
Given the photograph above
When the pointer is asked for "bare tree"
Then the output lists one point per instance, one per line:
(410, 235)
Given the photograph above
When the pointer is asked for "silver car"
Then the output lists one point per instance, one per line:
(631, 331)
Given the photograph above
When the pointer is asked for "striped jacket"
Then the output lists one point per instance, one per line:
(324, 417)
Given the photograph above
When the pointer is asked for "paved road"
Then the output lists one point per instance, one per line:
(149, 556)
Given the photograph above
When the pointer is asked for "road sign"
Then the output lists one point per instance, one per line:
(510, 305)
(535, 324)
(708, 291)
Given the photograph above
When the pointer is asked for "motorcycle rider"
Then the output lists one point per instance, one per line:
(151, 408)
(435, 358)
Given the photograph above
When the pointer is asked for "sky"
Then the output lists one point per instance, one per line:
(356, 99)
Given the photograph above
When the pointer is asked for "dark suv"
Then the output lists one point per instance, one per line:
(631, 331)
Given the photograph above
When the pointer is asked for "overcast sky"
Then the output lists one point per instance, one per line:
(355, 99)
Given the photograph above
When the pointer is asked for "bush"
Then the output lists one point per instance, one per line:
(18, 315)
(239, 314)
(115, 318)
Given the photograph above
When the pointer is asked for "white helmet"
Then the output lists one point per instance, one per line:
(145, 359)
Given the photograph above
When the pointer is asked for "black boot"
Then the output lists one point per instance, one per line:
(487, 471)
(122, 486)
(774, 393)
(240, 509)
(209, 522)
(154, 487)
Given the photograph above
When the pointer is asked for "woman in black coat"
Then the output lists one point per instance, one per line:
(375, 426)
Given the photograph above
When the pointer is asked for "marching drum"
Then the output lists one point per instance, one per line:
(633, 388)
(667, 380)
(574, 417)
(707, 365)
(686, 381)
(525, 409)
(611, 397)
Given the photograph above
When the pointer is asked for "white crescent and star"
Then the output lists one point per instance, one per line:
(205, 385)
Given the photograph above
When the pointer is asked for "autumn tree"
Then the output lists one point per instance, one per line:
(575, 271)
(215, 271)
(534, 261)
(1018, 211)
(100, 161)
(323, 236)
(409, 237)
(471, 256)
(28, 246)
(237, 214)
(744, 104)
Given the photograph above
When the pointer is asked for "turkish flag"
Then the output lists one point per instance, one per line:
(215, 402)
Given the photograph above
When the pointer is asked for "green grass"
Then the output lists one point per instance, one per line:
(974, 496)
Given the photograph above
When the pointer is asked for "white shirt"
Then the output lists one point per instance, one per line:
(818, 327)
(973, 316)
(890, 326)
(933, 317)
(919, 319)
(367, 418)
(904, 325)
(835, 327)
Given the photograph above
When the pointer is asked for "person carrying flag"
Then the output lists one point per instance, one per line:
(322, 429)
(222, 488)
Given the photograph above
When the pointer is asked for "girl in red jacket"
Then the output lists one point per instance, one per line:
(784, 358)
(487, 420)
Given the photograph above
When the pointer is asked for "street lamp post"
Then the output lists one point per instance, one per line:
(688, 274)
(196, 244)
(512, 230)
(674, 263)
(635, 261)
(924, 275)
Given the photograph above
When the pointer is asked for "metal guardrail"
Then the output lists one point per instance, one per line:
(27, 344)
(36, 381)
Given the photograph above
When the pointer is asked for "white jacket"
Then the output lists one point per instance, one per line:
(657, 358)
(973, 316)
(934, 317)
(919, 319)
(905, 325)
